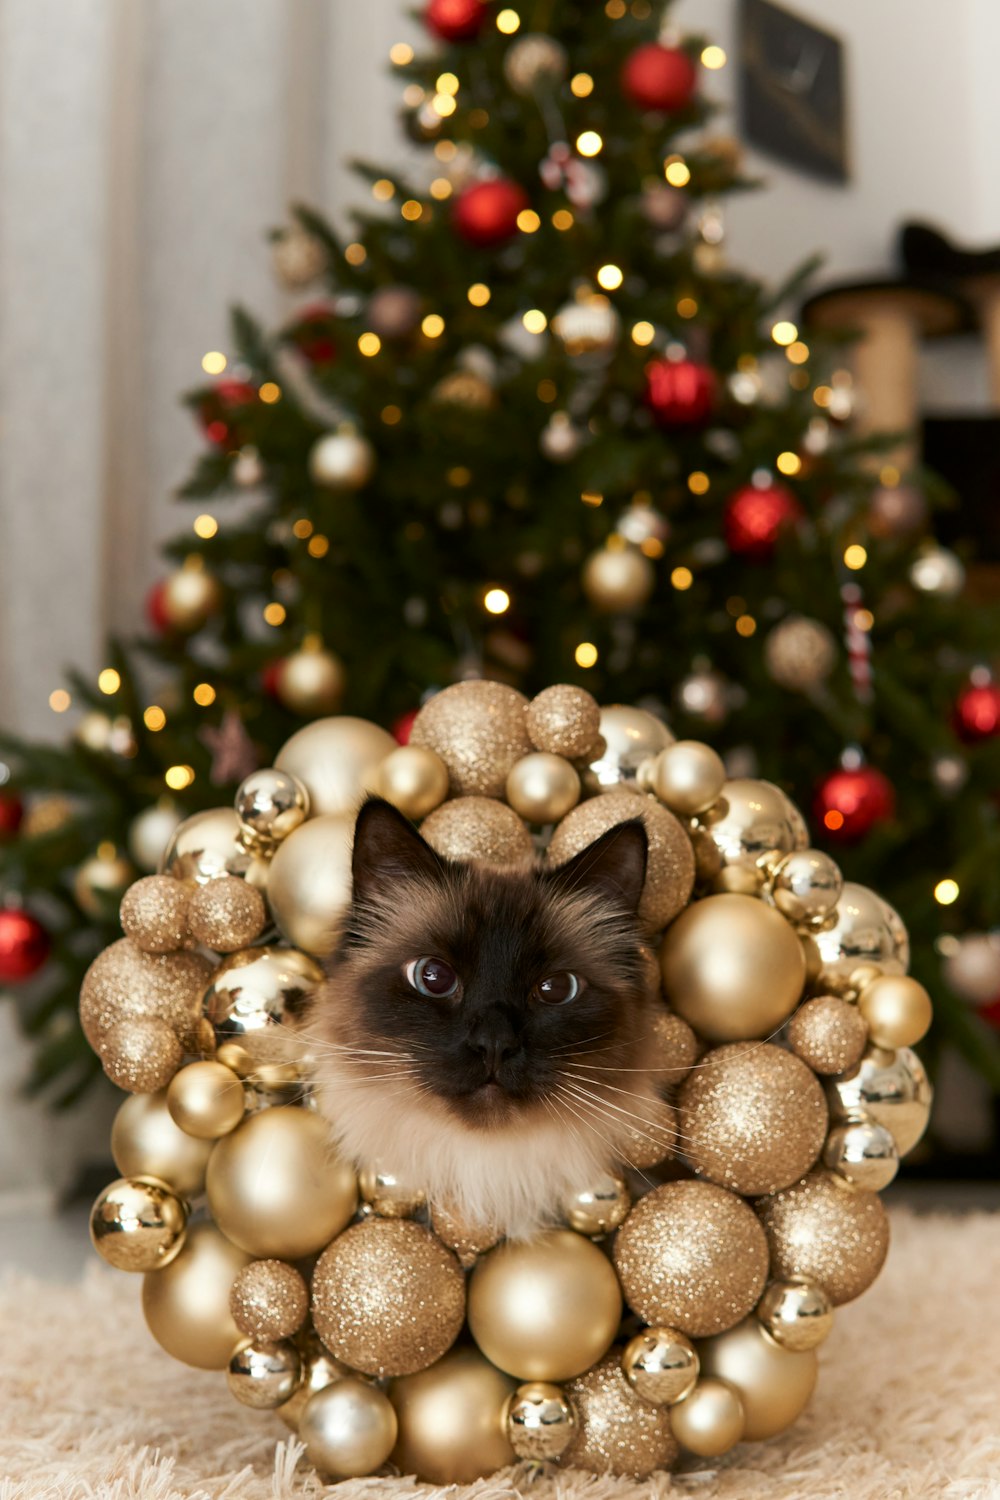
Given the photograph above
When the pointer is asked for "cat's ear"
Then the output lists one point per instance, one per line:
(614, 865)
(387, 848)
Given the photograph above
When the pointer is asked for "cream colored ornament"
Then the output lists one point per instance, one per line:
(342, 461)
(101, 882)
(337, 761)
(309, 887)
(413, 779)
(542, 788)
(800, 653)
(588, 325)
(600, 1208)
(661, 1365)
(670, 860)
(270, 805)
(205, 846)
(774, 1384)
(206, 1100)
(451, 1428)
(806, 885)
(564, 720)
(827, 1233)
(864, 930)
(687, 777)
(263, 1375)
(311, 680)
(478, 828)
(151, 831)
(618, 580)
(254, 1001)
(889, 1087)
(629, 737)
(797, 1315)
(711, 1420)
(298, 257)
(226, 914)
(154, 914)
(863, 1153)
(186, 1305)
(478, 729)
(137, 1224)
(349, 1429)
(534, 61)
(898, 1010)
(145, 1142)
(540, 1421)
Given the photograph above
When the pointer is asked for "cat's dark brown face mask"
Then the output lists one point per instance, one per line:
(490, 982)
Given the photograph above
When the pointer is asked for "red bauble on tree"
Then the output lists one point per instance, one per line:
(754, 517)
(403, 725)
(977, 712)
(24, 945)
(658, 77)
(11, 813)
(219, 411)
(850, 802)
(680, 392)
(455, 20)
(486, 212)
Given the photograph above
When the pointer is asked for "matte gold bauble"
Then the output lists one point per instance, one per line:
(387, 1195)
(270, 805)
(275, 1187)
(101, 882)
(254, 1001)
(226, 914)
(413, 779)
(828, 1034)
(151, 831)
(898, 1010)
(752, 1118)
(186, 1305)
(478, 828)
(154, 913)
(806, 885)
(388, 1298)
(478, 729)
(309, 887)
(311, 680)
(890, 1087)
(337, 762)
(827, 1233)
(564, 720)
(862, 1152)
(616, 1433)
(542, 788)
(145, 1142)
(540, 1421)
(661, 1365)
(468, 1240)
(141, 1056)
(190, 596)
(774, 1384)
(691, 1256)
(646, 1135)
(544, 1309)
(298, 258)
(670, 1049)
(629, 736)
(864, 929)
(206, 1100)
(342, 461)
(349, 1429)
(205, 846)
(617, 580)
(755, 820)
(709, 1421)
(126, 984)
(797, 1315)
(687, 777)
(263, 1375)
(599, 1208)
(732, 968)
(137, 1224)
(269, 1300)
(451, 1420)
(670, 862)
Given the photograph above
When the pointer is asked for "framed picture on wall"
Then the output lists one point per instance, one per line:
(792, 90)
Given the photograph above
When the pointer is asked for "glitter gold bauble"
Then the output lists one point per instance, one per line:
(145, 1142)
(890, 1087)
(137, 1224)
(413, 779)
(205, 846)
(532, 61)
(270, 805)
(864, 929)
(617, 1433)
(544, 1309)
(542, 788)
(468, 1240)
(564, 720)
(269, 1300)
(451, 1420)
(141, 1055)
(629, 737)
(226, 914)
(186, 1305)
(205, 1099)
(709, 1421)
(154, 914)
(342, 461)
(752, 1118)
(126, 984)
(275, 1187)
(540, 1421)
(387, 1195)
(755, 821)
(478, 729)
(800, 653)
(478, 828)
(898, 1010)
(862, 1152)
(599, 1208)
(827, 1233)
(311, 681)
(388, 1298)
(617, 580)
(298, 258)
(309, 887)
(465, 388)
(647, 1134)
(774, 1384)
(687, 777)
(337, 762)
(349, 1429)
(670, 861)
(670, 1048)
(254, 1001)
(101, 882)
(828, 1034)
(263, 1375)
(661, 1365)
(797, 1315)
(806, 885)
(732, 967)
(691, 1256)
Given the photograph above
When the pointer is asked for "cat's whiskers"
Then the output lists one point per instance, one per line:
(617, 1113)
(589, 1121)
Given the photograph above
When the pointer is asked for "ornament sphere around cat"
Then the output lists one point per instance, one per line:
(417, 1117)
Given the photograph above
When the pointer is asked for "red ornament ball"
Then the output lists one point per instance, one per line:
(11, 814)
(24, 946)
(219, 411)
(990, 1013)
(455, 20)
(680, 392)
(156, 608)
(403, 726)
(754, 518)
(485, 213)
(977, 712)
(658, 77)
(850, 803)
(312, 334)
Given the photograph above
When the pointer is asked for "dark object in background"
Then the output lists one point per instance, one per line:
(792, 92)
(965, 450)
(926, 251)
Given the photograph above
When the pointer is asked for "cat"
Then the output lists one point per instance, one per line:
(479, 1031)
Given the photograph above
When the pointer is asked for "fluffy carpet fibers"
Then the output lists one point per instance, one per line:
(907, 1403)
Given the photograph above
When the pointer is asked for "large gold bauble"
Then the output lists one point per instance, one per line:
(205, 846)
(617, 580)
(691, 1256)
(478, 729)
(254, 1001)
(542, 788)
(687, 777)
(337, 761)
(205, 1099)
(413, 779)
(186, 1305)
(629, 737)
(141, 1056)
(154, 913)
(468, 1240)
(275, 1187)
(263, 1375)
(890, 1087)
(774, 1384)
(226, 914)
(342, 461)
(709, 1421)
(309, 887)
(145, 1142)
(898, 1010)
(387, 1195)
(269, 1300)
(827, 1233)
(451, 1420)
(617, 1433)
(545, 1309)
(732, 967)
(137, 1224)
(540, 1421)
(478, 828)
(828, 1034)
(388, 1298)
(864, 929)
(862, 1152)
(670, 862)
(564, 720)
(599, 1208)
(349, 1429)
(796, 1315)
(101, 882)
(752, 1118)
(806, 885)
(755, 821)
(311, 680)
(661, 1365)
(270, 805)
(126, 984)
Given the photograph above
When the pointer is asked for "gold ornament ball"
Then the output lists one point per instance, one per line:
(137, 1224)
(827, 1233)
(467, 1239)
(478, 828)
(599, 1208)
(671, 1048)
(691, 1256)
(269, 1300)
(451, 1420)
(394, 311)
(544, 1309)
(533, 60)
(806, 885)
(154, 913)
(617, 580)
(253, 1003)
(828, 1034)
(190, 597)
(774, 1384)
(890, 1087)
(732, 967)
(271, 804)
(151, 831)
(564, 720)
(687, 777)
(349, 1429)
(342, 461)
(141, 1055)
(648, 1135)
(465, 388)
(863, 1153)
(100, 883)
(588, 325)
(661, 1365)
(540, 1422)
(478, 729)
(542, 788)
(413, 779)
(263, 1375)
(205, 846)
(319, 1369)
(756, 820)
(126, 984)
(616, 1433)
(796, 1315)
(864, 929)
(145, 1142)
(311, 681)
(205, 1100)
(310, 884)
(628, 738)
(800, 653)
(709, 1421)
(298, 257)
(50, 813)
(337, 761)
(898, 1010)
(387, 1195)
(226, 914)
(186, 1305)
(275, 1187)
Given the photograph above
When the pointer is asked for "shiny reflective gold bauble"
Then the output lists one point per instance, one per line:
(806, 885)
(309, 887)
(774, 1384)
(226, 914)
(414, 779)
(451, 1420)
(687, 777)
(311, 680)
(337, 762)
(732, 967)
(254, 1001)
(890, 1087)
(141, 1055)
(263, 1375)
(898, 1010)
(478, 729)
(755, 820)
(269, 1300)
(145, 1142)
(542, 788)
(349, 1429)
(270, 805)
(101, 882)
(468, 1240)
(205, 846)
(797, 1315)
(387, 1195)
(617, 580)
(186, 1305)
(206, 1100)
(828, 1034)
(342, 460)
(629, 737)
(827, 1233)
(189, 596)
(709, 1421)
(616, 1433)
(126, 984)
(478, 828)
(599, 1208)
(540, 1421)
(661, 1365)
(154, 913)
(137, 1224)
(862, 1152)
(864, 929)
(544, 1309)
(564, 720)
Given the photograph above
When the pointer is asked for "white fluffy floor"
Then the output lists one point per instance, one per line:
(908, 1403)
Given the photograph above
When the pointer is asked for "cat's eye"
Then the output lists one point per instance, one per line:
(432, 977)
(558, 989)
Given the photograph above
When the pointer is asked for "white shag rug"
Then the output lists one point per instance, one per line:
(908, 1402)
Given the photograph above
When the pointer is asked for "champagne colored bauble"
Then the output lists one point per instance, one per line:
(271, 804)
(413, 779)
(186, 1305)
(671, 1048)
(337, 762)
(205, 846)
(709, 1421)
(205, 1100)
(145, 1142)
(253, 1003)
(137, 1224)
(298, 258)
(387, 1195)
(806, 886)
(755, 822)
(774, 1384)
(309, 887)
(647, 1135)
(394, 311)
(670, 861)
(800, 653)
(588, 325)
(796, 1315)
(451, 1420)
(349, 1429)
(616, 1433)
(269, 1300)
(617, 580)
(600, 1208)
(125, 984)
(226, 914)
(828, 1034)
(890, 1087)
(342, 461)
(687, 777)
(826, 1233)
(542, 788)
(310, 681)
(154, 914)
(898, 1010)
(150, 832)
(732, 967)
(319, 1369)
(544, 1309)
(629, 737)
(864, 929)
(275, 1187)
(141, 1055)
(478, 828)
(973, 969)
(534, 61)
(478, 729)
(540, 1421)
(864, 1153)
(101, 882)
(661, 1365)
(691, 1256)
(564, 720)
(465, 388)
(468, 1240)
(263, 1375)
(752, 1118)
(189, 597)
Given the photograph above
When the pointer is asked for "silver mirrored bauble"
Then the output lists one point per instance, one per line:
(254, 1001)
(862, 930)
(891, 1088)
(264, 1375)
(862, 1152)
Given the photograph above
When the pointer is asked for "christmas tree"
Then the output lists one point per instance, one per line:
(531, 424)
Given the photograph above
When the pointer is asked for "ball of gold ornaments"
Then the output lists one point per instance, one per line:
(671, 1047)
(647, 1135)
(137, 1224)
(661, 1365)
(226, 914)
(478, 828)
(342, 461)
(709, 1421)
(190, 596)
(451, 1420)
(564, 720)
(254, 1001)
(616, 1433)
(206, 1100)
(413, 779)
(205, 846)
(145, 1142)
(806, 885)
(863, 1152)
(311, 680)
(755, 821)
(467, 1239)
(126, 984)
(387, 1195)
(826, 1233)
(186, 1305)
(154, 913)
(263, 1375)
(542, 788)
(540, 1421)
(309, 886)
(478, 729)
(337, 761)
(271, 804)
(670, 861)
(628, 738)
(864, 930)
(897, 1009)
(141, 1055)
(797, 1315)
(101, 882)
(687, 777)
(889, 1087)
(773, 1384)
(828, 1034)
(349, 1429)
(618, 580)
(269, 1300)
(599, 1208)
(298, 258)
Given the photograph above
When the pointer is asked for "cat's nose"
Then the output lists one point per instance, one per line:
(495, 1050)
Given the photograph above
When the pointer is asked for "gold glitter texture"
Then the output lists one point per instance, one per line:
(141, 1055)
(647, 1134)
(828, 1034)
(564, 720)
(616, 1432)
(269, 1300)
(671, 1048)
(154, 913)
(226, 914)
(466, 1239)
(478, 828)
(125, 984)
(828, 1233)
(478, 729)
